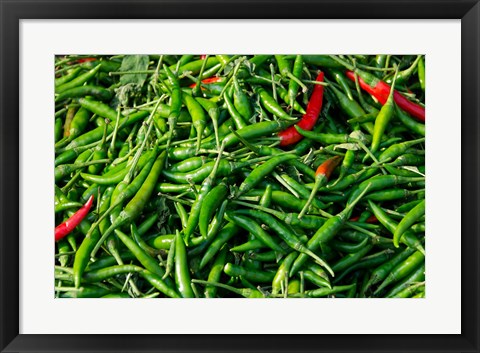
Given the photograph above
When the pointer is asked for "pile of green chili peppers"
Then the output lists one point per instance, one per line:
(200, 192)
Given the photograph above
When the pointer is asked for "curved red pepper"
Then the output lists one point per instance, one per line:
(326, 168)
(380, 90)
(322, 174)
(69, 225)
(208, 80)
(290, 135)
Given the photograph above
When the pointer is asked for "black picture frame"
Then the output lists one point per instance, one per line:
(12, 11)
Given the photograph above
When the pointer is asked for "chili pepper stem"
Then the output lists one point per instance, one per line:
(115, 131)
(297, 80)
(245, 142)
(243, 293)
(176, 199)
(142, 146)
(285, 185)
(231, 74)
(197, 89)
(63, 142)
(321, 176)
(325, 84)
(272, 75)
(316, 186)
(342, 62)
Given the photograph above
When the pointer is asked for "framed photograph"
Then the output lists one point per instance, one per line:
(239, 176)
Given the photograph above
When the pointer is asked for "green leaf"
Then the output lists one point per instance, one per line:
(357, 134)
(134, 63)
(348, 146)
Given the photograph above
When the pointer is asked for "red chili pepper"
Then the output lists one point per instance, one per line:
(290, 135)
(322, 175)
(371, 219)
(84, 60)
(326, 168)
(203, 56)
(208, 80)
(380, 90)
(66, 227)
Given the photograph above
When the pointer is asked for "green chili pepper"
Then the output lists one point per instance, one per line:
(402, 270)
(376, 259)
(271, 105)
(408, 238)
(58, 129)
(215, 273)
(397, 150)
(260, 172)
(421, 72)
(214, 113)
(236, 116)
(199, 117)
(327, 232)
(282, 273)
(197, 205)
(226, 233)
(410, 219)
(297, 73)
(416, 276)
(251, 275)
(134, 207)
(77, 81)
(182, 275)
(244, 292)
(241, 101)
(212, 201)
(68, 77)
(284, 233)
(175, 101)
(383, 119)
